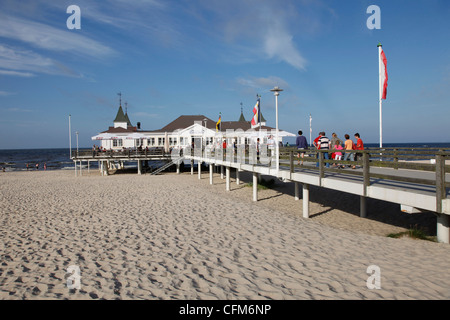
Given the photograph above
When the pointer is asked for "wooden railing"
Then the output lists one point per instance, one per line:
(395, 158)
(128, 153)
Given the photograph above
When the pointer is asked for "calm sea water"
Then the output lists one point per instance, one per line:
(15, 160)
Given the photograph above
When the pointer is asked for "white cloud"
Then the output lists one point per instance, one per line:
(6, 93)
(262, 83)
(50, 38)
(16, 73)
(18, 62)
(257, 30)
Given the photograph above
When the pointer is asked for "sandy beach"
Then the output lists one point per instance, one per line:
(176, 237)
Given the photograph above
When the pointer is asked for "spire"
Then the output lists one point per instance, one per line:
(126, 115)
(122, 117)
(241, 118)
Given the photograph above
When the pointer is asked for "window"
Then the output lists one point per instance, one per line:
(117, 142)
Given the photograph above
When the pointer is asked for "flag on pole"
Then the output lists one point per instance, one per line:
(383, 75)
(218, 122)
(256, 120)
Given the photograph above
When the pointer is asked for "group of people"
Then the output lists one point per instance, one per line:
(37, 166)
(335, 145)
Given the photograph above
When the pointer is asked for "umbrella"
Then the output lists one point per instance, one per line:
(103, 136)
(285, 134)
(135, 135)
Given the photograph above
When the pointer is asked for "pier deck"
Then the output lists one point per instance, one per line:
(418, 180)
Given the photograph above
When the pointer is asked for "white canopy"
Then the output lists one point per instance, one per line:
(136, 135)
(103, 136)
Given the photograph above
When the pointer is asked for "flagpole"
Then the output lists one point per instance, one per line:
(380, 85)
(310, 130)
(276, 92)
(70, 139)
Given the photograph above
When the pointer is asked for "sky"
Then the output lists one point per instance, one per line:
(191, 57)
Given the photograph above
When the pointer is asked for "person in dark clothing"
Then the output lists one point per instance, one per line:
(301, 144)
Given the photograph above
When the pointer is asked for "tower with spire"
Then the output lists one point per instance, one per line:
(122, 120)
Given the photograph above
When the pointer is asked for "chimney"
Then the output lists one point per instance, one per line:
(139, 125)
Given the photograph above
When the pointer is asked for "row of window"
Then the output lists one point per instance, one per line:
(172, 141)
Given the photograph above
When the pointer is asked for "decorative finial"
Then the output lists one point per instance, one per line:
(379, 44)
(120, 98)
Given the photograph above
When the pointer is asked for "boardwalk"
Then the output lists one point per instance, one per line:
(388, 175)
(415, 186)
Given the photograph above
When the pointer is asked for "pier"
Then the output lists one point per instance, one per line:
(416, 179)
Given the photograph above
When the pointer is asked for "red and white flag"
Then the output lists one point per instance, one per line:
(256, 115)
(383, 75)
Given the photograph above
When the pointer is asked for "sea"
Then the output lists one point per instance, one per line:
(59, 159)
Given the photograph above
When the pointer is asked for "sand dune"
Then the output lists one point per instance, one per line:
(176, 237)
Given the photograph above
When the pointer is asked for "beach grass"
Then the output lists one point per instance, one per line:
(413, 233)
(264, 184)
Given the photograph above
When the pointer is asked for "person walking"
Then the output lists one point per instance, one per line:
(302, 145)
(335, 140)
(324, 144)
(358, 146)
(317, 146)
(349, 145)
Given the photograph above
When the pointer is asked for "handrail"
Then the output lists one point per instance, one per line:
(369, 158)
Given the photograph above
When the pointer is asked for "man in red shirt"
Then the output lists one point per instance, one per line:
(358, 146)
(359, 142)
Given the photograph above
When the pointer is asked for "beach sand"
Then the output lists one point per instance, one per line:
(176, 237)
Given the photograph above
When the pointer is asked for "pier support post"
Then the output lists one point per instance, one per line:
(139, 167)
(255, 186)
(221, 172)
(228, 179)
(211, 173)
(192, 167)
(442, 232)
(296, 191)
(363, 206)
(199, 163)
(75, 168)
(81, 173)
(238, 180)
(305, 200)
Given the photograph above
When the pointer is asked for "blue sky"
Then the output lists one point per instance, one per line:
(170, 58)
